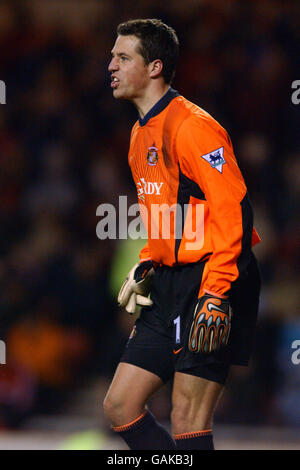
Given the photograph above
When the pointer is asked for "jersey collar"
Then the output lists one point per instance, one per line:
(159, 106)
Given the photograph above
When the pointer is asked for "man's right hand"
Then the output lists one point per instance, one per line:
(134, 291)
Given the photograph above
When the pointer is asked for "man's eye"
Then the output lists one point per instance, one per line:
(123, 58)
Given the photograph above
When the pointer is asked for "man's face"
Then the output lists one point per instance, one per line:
(129, 73)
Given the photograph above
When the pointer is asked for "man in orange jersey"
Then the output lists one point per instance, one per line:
(202, 276)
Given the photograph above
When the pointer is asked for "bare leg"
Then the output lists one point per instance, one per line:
(129, 392)
(125, 406)
(194, 401)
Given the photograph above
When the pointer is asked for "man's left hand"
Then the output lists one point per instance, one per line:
(211, 324)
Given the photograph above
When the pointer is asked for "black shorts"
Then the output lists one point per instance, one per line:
(159, 339)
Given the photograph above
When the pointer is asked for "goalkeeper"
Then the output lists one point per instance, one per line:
(204, 285)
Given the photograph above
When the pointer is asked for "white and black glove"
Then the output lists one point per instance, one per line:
(135, 290)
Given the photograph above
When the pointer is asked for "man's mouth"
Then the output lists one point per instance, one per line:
(114, 82)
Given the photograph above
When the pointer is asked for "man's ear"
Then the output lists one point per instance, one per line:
(156, 68)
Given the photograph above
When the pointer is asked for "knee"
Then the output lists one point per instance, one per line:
(109, 406)
(120, 410)
(114, 407)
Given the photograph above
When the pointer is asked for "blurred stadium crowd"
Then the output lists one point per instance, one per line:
(63, 151)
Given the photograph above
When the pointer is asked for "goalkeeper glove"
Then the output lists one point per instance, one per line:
(211, 324)
(136, 287)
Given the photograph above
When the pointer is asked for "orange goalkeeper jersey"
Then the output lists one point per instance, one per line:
(193, 198)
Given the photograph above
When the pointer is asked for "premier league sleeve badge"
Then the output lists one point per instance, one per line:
(215, 159)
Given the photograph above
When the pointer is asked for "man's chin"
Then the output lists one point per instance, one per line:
(118, 94)
(121, 95)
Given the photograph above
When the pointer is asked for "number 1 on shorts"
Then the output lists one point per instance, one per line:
(177, 329)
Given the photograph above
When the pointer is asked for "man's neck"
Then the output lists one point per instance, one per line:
(151, 97)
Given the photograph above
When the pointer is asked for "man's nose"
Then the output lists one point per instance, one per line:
(113, 66)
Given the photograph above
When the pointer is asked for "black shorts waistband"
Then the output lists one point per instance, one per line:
(180, 266)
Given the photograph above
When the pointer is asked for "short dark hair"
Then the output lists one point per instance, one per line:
(158, 41)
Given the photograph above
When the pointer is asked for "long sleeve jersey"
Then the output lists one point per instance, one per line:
(193, 199)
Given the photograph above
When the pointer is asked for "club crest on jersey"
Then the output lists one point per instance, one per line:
(152, 156)
(215, 159)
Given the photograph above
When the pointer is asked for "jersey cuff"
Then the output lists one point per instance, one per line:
(215, 295)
